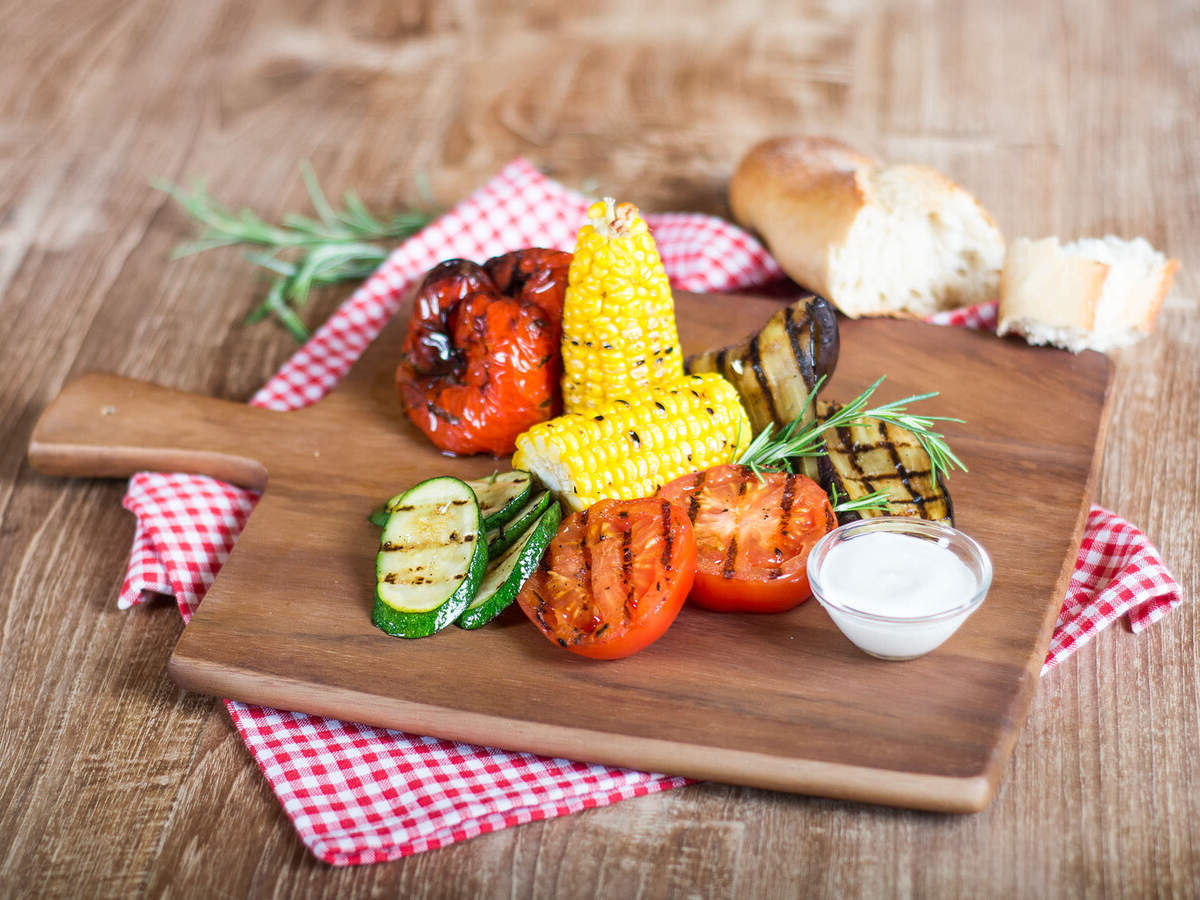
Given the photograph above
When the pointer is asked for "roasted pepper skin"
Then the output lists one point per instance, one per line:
(481, 361)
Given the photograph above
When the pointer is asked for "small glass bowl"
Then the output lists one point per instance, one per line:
(901, 637)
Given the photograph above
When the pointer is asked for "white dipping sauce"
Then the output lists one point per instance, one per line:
(903, 577)
(888, 574)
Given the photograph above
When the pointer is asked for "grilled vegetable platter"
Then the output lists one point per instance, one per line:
(773, 700)
(640, 480)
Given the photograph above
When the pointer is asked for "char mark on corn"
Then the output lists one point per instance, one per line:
(636, 445)
(619, 333)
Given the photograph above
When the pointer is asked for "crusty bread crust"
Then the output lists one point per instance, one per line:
(811, 186)
(1051, 294)
(1040, 283)
(899, 240)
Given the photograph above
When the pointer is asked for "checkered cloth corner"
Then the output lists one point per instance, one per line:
(1118, 572)
(187, 526)
(358, 794)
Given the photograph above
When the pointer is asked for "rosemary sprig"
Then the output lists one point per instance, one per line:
(873, 500)
(769, 450)
(302, 252)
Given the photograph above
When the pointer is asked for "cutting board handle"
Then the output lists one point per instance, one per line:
(107, 425)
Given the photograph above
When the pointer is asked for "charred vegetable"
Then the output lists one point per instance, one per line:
(507, 572)
(502, 536)
(873, 455)
(481, 360)
(614, 577)
(500, 497)
(892, 461)
(431, 558)
(754, 531)
(776, 369)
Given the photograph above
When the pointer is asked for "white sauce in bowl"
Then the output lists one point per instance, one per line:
(889, 574)
(898, 587)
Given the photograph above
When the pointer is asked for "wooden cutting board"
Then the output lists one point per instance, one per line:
(780, 701)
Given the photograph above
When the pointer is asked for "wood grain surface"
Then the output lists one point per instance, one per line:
(1074, 118)
(781, 702)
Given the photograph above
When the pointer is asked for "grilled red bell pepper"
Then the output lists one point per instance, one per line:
(481, 362)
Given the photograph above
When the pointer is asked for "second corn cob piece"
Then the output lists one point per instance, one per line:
(630, 448)
(619, 332)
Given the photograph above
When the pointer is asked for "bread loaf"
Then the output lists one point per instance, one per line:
(1093, 293)
(874, 239)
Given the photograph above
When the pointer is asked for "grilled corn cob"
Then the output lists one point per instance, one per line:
(619, 333)
(631, 448)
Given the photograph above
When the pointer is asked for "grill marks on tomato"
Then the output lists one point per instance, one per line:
(731, 548)
(627, 561)
(694, 499)
(579, 613)
(785, 507)
(753, 534)
(668, 536)
(585, 550)
(747, 527)
(613, 578)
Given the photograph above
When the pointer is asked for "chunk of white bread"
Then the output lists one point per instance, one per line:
(874, 239)
(1093, 293)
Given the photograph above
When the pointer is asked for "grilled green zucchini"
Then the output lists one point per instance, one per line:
(500, 498)
(504, 535)
(507, 572)
(432, 557)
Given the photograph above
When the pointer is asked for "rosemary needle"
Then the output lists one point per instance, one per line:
(873, 500)
(301, 252)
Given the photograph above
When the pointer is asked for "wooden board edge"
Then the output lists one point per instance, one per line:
(860, 784)
(1033, 666)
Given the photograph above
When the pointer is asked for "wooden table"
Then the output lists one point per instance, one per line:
(1069, 119)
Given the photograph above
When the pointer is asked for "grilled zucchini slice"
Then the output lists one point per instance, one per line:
(504, 536)
(507, 573)
(432, 557)
(500, 498)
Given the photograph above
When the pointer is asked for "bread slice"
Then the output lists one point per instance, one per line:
(900, 240)
(1093, 293)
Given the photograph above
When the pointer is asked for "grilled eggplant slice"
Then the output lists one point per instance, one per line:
(880, 456)
(776, 369)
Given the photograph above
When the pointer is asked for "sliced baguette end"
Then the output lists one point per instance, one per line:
(1090, 294)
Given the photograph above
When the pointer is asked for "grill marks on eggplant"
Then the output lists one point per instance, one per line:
(776, 369)
(802, 354)
(881, 456)
(764, 385)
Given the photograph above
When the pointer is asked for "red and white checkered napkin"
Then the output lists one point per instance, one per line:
(358, 794)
